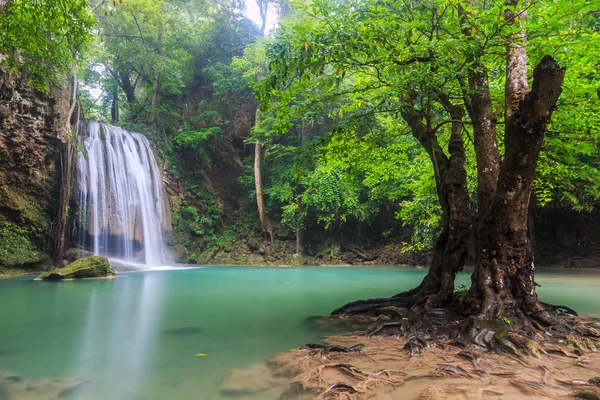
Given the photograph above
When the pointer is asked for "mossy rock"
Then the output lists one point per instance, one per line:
(88, 267)
(16, 248)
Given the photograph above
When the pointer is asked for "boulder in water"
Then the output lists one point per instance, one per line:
(74, 254)
(88, 267)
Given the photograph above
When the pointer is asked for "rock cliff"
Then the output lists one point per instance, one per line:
(32, 134)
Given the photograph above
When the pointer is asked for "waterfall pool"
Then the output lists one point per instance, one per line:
(138, 336)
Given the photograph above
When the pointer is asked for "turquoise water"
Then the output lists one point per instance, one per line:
(137, 336)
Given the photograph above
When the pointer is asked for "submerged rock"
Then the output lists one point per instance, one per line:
(74, 254)
(88, 267)
(13, 387)
(256, 382)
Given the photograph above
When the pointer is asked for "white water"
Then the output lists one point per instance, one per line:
(123, 208)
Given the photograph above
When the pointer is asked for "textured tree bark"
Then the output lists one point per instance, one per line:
(450, 250)
(479, 106)
(503, 282)
(516, 85)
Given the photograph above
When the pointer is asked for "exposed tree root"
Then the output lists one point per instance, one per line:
(442, 370)
(357, 381)
(559, 309)
(365, 307)
(324, 349)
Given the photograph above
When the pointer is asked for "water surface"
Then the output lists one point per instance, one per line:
(138, 336)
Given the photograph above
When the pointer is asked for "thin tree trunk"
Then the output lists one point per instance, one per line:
(114, 109)
(73, 95)
(66, 173)
(503, 282)
(156, 86)
(263, 8)
(299, 191)
(265, 222)
(300, 241)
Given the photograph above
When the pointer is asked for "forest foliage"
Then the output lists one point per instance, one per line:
(331, 80)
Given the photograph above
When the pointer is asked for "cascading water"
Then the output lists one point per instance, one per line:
(123, 209)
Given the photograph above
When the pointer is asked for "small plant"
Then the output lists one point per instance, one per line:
(461, 292)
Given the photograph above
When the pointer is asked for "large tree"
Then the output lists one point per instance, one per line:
(447, 71)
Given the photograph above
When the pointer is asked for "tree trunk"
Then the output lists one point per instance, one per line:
(114, 108)
(3, 3)
(479, 106)
(263, 8)
(516, 85)
(265, 222)
(66, 158)
(299, 192)
(124, 82)
(156, 86)
(451, 181)
(128, 88)
(503, 282)
(300, 241)
(450, 250)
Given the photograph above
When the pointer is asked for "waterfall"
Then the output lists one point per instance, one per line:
(123, 206)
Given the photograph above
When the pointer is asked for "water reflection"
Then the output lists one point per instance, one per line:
(118, 338)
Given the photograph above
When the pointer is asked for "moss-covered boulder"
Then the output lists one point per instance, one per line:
(88, 267)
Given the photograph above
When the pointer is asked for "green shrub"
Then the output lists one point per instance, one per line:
(15, 246)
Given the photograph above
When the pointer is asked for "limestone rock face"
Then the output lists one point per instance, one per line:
(88, 267)
(32, 133)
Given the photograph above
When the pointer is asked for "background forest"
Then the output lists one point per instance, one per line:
(324, 171)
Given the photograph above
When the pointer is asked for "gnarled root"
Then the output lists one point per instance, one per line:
(356, 381)
(324, 349)
(368, 307)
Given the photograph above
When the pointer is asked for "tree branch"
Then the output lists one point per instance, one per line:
(138, 26)
(97, 5)
(124, 35)
(413, 60)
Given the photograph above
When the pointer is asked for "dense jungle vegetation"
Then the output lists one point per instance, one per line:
(331, 143)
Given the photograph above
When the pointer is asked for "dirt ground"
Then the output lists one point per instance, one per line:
(382, 370)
